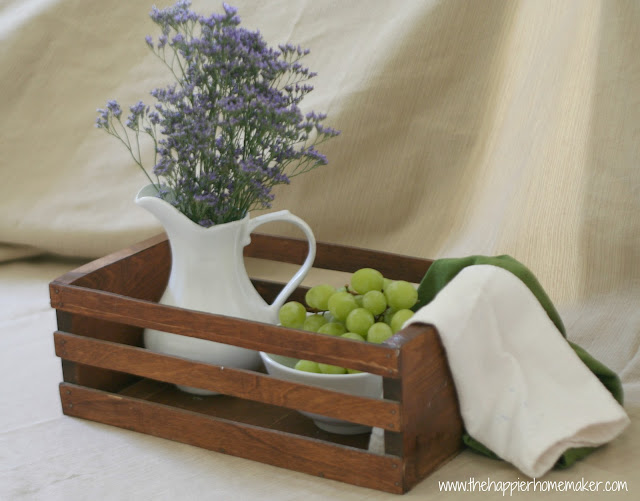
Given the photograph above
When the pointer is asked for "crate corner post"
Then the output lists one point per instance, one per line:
(431, 423)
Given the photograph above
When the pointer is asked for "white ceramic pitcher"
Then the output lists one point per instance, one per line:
(208, 274)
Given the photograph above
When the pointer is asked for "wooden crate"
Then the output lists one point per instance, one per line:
(109, 377)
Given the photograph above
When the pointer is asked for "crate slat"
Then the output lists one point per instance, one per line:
(367, 357)
(235, 382)
(287, 250)
(315, 457)
(337, 257)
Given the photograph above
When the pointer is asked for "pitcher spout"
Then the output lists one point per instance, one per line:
(166, 213)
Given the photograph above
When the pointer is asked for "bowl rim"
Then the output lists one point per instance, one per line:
(333, 377)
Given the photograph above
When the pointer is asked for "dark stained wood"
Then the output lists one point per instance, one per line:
(283, 249)
(236, 382)
(431, 425)
(337, 257)
(377, 359)
(88, 375)
(269, 290)
(240, 410)
(103, 307)
(277, 448)
(140, 271)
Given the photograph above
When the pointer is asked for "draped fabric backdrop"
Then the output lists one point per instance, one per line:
(468, 127)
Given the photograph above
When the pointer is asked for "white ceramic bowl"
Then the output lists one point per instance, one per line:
(362, 384)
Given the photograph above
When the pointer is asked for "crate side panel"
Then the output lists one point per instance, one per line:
(338, 257)
(240, 383)
(143, 274)
(86, 374)
(77, 275)
(242, 411)
(276, 448)
(141, 271)
(377, 359)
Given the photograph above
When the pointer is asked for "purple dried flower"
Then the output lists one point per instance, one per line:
(164, 166)
(102, 122)
(230, 128)
(114, 108)
(138, 108)
(230, 11)
(208, 198)
(154, 117)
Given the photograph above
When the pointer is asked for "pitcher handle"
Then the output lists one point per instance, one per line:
(285, 215)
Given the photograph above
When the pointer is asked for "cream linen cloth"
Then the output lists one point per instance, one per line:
(523, 391)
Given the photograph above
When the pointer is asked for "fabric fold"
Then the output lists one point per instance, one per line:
(524, 393)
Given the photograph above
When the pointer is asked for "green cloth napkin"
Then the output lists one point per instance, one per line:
(442, 271)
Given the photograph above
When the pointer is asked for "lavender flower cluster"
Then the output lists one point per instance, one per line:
(230, 128)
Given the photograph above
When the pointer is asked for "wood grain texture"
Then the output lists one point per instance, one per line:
(236, 382)
(315, 457)
(88, 375)
(103, 308)
(270, 247)
(241, 410)
(431, 426)
(377, 359)
(107, 272)
(337, 257)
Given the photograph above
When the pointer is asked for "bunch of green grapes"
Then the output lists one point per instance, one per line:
(370, 308)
